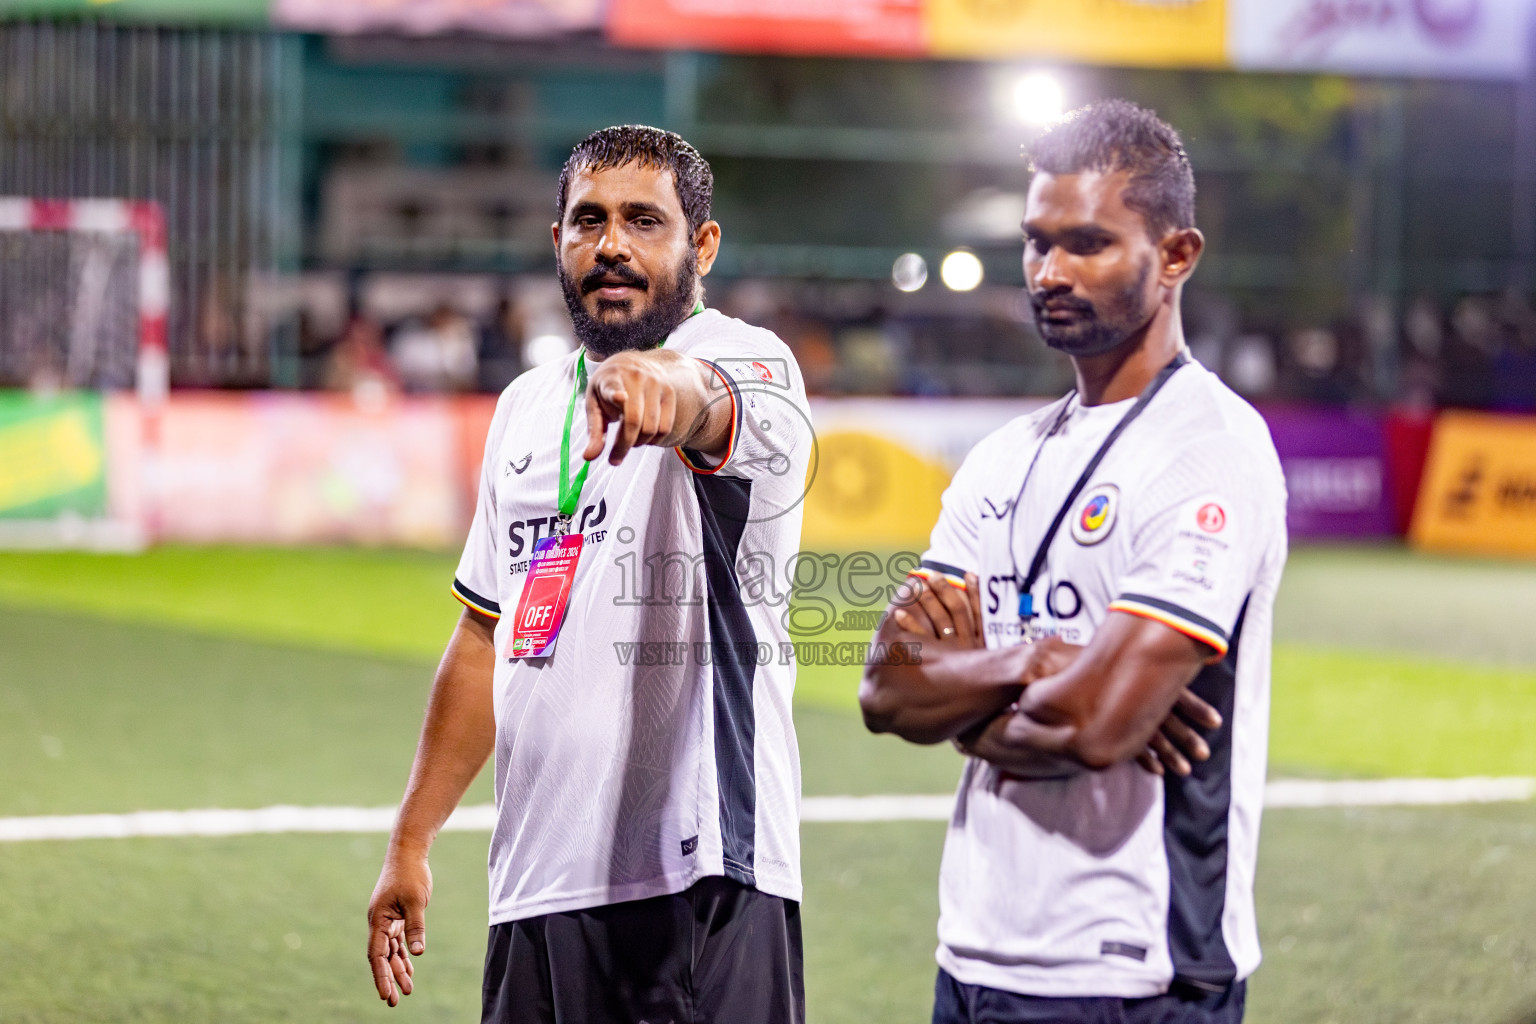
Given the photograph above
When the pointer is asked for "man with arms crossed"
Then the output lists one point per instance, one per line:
(645, 858)
(1102, 570)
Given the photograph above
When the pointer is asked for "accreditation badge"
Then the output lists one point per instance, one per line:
(541, 609)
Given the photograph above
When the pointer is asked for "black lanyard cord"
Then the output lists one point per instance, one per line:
(1037, 564)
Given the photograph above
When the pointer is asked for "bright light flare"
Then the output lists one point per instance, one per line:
(1038, 97)
(545, 348)
(910, 272)
(961, 271)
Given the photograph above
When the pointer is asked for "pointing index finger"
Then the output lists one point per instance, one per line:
(597, 425)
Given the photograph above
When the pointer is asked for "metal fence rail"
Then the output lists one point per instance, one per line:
(189, 118)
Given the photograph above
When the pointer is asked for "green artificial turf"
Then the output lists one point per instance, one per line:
(1400, 602)
(99, 716)
(1352, 713)
(1424, 916)
(396, 602)
(1397, 916)
(103, 716)
(190, 678)
(248, 928)
(242, 723)
(375, 601)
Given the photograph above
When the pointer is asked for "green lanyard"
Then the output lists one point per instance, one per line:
(570, 487)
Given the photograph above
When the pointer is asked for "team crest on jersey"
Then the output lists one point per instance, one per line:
(1096, 515)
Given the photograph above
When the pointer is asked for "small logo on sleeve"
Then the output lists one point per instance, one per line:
(1096, 515)
(769, 370)
(690, 846)
(1123, 949)
(1211, 517)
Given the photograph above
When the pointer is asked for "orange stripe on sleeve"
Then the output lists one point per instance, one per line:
(1189, 629)
(472, 606)
(730, 447)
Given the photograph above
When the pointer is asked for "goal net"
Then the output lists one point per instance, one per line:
(83, 370)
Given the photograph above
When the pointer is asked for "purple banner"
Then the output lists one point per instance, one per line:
(1335, 465)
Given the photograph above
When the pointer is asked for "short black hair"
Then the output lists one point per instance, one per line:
(649, 147)
(1117, 135)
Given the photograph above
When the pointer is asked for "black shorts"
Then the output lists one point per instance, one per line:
(718, 952)
(957, 1003)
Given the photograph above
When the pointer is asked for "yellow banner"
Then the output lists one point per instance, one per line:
(1479, 489)
(870, 493)
(1151, 33)
(51, 456)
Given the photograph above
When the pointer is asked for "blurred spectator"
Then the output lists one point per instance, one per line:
(314, 351)
(1214, 323)
(1469, 355)
(1319, 373)
(1475, 351)
(1251, 365)
(358, 363)
(501, 347)
(812, 346)
(45, 377)
(1514, 365)
(1424, 339)
(869, 361)
(438, 355)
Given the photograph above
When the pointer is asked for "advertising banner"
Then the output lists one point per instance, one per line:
(424, 17)
(1479, 489)
(1335, 464)
(1154, 33)
(881, 466)
(472, 415)
(287, 469)
(1408, 436)
(52, 456)
(1452, 38)
(849, 27)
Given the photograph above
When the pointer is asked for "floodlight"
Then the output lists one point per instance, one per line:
(961, 271)
(1038, 97)
(909, 272)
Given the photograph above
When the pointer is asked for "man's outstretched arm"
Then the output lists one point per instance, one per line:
(657, 397)
(457, 737)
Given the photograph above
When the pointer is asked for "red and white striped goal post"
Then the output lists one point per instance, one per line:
(146, 220)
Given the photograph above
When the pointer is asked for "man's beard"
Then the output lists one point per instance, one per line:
(1093, 332)
(645, 330)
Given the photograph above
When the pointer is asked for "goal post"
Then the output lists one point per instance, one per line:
(84, 293)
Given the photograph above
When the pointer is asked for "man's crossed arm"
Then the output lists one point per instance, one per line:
(1039, 710)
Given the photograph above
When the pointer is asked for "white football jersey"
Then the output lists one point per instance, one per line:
(654, 745)
(1114, 882)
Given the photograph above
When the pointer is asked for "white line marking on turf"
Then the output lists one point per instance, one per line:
(480, 818)
(1395, 792)
(228, 823)
(877, 808)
